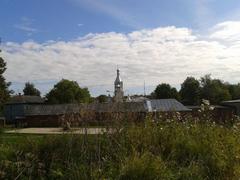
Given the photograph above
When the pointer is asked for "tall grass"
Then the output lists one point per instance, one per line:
(151, 150)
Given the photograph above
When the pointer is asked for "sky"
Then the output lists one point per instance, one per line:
(156, 41)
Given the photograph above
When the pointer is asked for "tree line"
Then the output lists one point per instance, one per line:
(192, 91)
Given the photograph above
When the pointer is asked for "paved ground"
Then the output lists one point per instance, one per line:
(57, 131)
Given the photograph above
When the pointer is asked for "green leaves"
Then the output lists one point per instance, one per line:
(165, 91)
(4, 92)
(30, 90)
(66, 91)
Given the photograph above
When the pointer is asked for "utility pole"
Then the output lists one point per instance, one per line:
(144, 89)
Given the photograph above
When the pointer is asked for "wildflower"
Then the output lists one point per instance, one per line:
(211, 108)
(206, 102)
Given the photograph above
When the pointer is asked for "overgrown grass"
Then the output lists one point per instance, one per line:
(152, 150)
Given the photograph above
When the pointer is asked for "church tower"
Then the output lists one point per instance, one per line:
(118, 88)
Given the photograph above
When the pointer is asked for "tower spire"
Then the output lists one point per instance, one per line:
(118, 88)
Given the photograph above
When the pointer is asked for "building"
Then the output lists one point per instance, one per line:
(14, 108)
(235, 104)
(218, 113)
(118, 88)
(42, 115)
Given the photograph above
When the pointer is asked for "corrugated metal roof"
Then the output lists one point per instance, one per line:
(31, 110)
(167, 105)
(121, 107)
(20, 99)
(147, 106)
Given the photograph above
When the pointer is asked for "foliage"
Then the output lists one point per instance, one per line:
(152, 150)
(193, 90)
(30, 90)
(165, 91)
(67, 91)
(190, 91)
(4, 91)
(102, 98)
(214, 90)
(234, 90)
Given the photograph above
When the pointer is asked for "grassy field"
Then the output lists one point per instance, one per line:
(152, 150)
(15, 139)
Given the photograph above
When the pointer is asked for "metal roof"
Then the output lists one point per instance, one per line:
(167, 105)
(161, 105)
(21, 99)
(57, 109)
(31, 110)
(232, 101)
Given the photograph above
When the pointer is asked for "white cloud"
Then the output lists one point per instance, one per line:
(166, 54)
(227, 31)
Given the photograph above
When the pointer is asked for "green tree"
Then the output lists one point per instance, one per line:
(4, 91)
(102, 98)
(67, 91)
(165, 91)
(234, 90)
(30, 90)
(214, 90)
(190, 91)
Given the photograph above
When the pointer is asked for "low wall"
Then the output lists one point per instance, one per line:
(81, 119)
(89, 118)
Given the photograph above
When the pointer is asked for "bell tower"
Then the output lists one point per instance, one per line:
(118, 88)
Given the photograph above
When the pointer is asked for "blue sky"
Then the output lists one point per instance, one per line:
(81, 32)
(43, 20)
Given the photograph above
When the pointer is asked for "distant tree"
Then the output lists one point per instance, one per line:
(4, 91)
(30, 90)
(214, 90)
(190, 91)
(67, 91)
(165, 91)
(234, 90)
(102, 98)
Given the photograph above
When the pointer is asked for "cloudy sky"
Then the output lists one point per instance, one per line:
(154, 41)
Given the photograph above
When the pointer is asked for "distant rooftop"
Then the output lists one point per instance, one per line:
(160, 105)
(232, 101)
(167, 105)
(21, 99)
(137, 99)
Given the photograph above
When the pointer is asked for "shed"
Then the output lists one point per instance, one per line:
(14, 108)
(234, 104)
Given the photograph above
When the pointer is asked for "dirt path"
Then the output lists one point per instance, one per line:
(57, 131)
